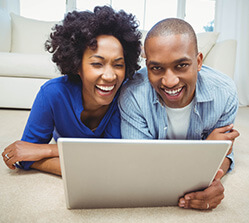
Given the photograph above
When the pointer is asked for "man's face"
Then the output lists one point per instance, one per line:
(173, 64)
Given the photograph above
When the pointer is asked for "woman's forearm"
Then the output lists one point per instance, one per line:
(49, 165)
(52, 150)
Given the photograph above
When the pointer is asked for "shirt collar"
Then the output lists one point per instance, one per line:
(203, 92)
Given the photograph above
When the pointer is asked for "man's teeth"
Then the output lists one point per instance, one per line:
(105, 88)
(173, 92)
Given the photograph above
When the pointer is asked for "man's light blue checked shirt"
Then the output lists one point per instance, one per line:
(144, 117)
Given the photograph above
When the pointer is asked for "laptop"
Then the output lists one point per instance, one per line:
(121, 173)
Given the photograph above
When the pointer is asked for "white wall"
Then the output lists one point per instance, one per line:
(10, 5)
(232, 21)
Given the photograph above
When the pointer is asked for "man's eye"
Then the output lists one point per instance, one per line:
(183, 65)
(156, 68)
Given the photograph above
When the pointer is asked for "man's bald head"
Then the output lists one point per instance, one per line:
(172, 26)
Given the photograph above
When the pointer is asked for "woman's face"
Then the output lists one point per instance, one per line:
(102, 72)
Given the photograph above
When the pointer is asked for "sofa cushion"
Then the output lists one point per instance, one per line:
(5, 28)
(27, 65)
(29, 35)
(222, 57)
(206, 41)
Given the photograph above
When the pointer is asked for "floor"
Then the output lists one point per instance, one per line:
(12, 125)
(32, 196)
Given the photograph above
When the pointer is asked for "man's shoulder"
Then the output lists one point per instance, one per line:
(137, 89)
(214, 82)
(139, 81)
(215, 86)
(216, 79)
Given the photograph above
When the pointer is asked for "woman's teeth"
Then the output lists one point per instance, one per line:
(105, 88)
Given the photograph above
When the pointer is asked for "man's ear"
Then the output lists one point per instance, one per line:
(199, 60)
(143, 52)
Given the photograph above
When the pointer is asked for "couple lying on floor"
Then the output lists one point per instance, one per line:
(103, 94)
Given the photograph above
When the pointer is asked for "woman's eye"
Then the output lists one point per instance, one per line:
(119, 65)
(96, 64)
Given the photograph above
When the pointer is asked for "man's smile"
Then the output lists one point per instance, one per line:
(173, 92)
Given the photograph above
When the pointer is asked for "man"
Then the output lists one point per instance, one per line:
(178, 98)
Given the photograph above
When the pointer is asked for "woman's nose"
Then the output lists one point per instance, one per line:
(109, 74)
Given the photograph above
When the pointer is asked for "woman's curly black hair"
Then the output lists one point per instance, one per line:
(79, 30)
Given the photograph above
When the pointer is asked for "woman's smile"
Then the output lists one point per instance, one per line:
(105, 90)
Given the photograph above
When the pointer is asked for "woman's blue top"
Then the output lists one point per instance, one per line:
(56, 112)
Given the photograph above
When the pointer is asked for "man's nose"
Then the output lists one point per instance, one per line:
(170, 79)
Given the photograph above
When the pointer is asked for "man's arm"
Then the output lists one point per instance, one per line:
(225, 133)
(223, 130)
(211, 197)
(225, 165)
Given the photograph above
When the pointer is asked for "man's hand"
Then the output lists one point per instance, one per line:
(208, 199)
(224, 133)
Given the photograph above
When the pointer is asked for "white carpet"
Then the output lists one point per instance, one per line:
(32, 196)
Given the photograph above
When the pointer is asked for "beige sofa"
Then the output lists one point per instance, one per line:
(24, 63)
(25, 66)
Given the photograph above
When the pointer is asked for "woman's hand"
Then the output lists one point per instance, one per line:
(25, 151)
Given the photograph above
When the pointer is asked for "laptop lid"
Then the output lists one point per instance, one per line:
(115, 173)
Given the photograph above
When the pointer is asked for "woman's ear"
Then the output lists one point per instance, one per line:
(79, 72)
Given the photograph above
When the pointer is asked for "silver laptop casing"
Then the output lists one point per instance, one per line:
(119, 173)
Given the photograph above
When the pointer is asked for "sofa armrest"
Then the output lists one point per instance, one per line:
(27, 65)
(222, 57)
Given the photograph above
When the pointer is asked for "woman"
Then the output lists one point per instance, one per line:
(96, 51)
